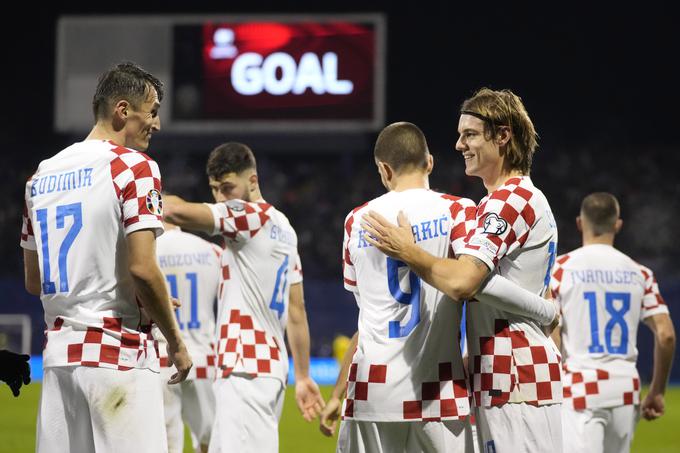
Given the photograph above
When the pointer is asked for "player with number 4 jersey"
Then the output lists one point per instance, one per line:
(604, 295)
(261, 300)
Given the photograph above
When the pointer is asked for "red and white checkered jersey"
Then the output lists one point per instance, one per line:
(407, 366)
(603, 296)
(259, 264)
(192, 271)
(80, 205)
(511, 359)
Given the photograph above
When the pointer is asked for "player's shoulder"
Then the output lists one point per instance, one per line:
(455, 200)
(353, 212)
(126, 154)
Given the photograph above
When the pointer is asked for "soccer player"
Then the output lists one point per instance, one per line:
(91, 218)
(603, 295)
(261, 299)
(514, 366)
(407, 389)
(192, 270)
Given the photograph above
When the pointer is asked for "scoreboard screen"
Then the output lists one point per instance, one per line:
(304, 75)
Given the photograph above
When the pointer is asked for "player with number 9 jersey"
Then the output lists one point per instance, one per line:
(408, 365)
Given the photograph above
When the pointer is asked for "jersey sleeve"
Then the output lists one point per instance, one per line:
(27, 237)
(297, 270)
(463, 221)
(504, 221)
(137, 180)
(239, 220)
(652, 302)
(348, 272)
(556, 275)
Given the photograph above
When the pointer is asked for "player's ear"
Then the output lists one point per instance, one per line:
(579, 225)
(503, 135)
(430, 163)
(387, 171)
(618, 225)
(253, 181)
(121, 109)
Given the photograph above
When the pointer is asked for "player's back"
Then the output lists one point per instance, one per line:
(80, 204)
(408, 330)
(260, 263)
(191, 266)
(603, 295)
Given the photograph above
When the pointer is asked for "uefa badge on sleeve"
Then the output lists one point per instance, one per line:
(154, 202)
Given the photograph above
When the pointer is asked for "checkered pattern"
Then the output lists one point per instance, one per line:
(204, 365)
(358, 390)
(134, 175)
(445, 399)
(557, 274)
(464, 217)
(111, 346)
(596, 388)
(652, 302)
(348, 272)
(27, 237)
(509, 368)
(512, 204)
(239, 220)
(244, 348)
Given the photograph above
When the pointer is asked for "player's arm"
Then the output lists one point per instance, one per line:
(331, 413)
(307, 394)
(457, 278)
(187, 215)
(664, 349)
(153, 295)
(32, 272)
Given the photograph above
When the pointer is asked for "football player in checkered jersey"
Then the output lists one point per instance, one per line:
(91, 218)
(191, 266)
(261, 299)
(407, 388)
(604, 295)
(514, 366)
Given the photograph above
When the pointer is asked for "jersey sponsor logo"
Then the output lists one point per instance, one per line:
(154, 202)
(493, 224)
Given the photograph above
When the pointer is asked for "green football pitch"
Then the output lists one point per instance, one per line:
(17, 426)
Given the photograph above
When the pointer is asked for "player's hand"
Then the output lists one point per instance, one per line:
(653, 406)
(329, 416)
(14, 370)
(179, 356)
(393, 240)
(308, 398)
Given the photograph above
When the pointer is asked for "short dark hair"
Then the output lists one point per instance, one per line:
(128, 81)
(402, 145)
(230, 157)
(601, 211)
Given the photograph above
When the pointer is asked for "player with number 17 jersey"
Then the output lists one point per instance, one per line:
(80, 205)
(259, 265)
(408, 365)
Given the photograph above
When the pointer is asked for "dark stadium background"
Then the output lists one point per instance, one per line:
(600, 82)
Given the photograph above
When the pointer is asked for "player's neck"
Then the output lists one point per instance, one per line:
(605, 239)
(498, 179)
(410, 181)
(102, 131)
